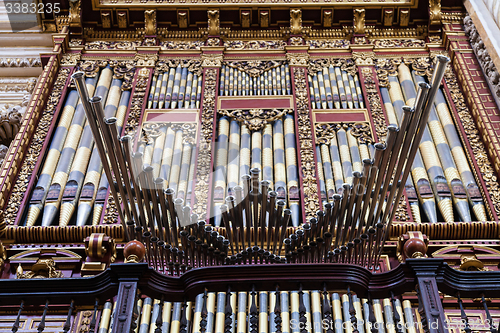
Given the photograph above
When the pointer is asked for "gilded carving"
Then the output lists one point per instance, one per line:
(74, 13)
(388, 17)
(296, 41)
(324, 132)
(70, 59)
(245, 18)
(193, 65)
(363, 58)
(123, 70)
(122, 19)
(328, 43)
(211, 59)
(74, 42)
(150, 22)
(106, 19)
(359, 20)
(308, 166)
(205, 149)
(295, 21)
(347, 65)
(255, 119)
(299, 59)
(106, 45)
(213, 22)
(255, 45)
(404, 17)
(182, 19)
(33, 152)
(254, 68)
(182, 45)
(42, 269)
(213, 41)
(146, 59)
(398, 42)
(264, 18)
(435, 12)
(327, 18)
(20, 62)
(474, 137)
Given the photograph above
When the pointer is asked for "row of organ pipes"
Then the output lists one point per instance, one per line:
(171, 152)
(178, 87)
(334, 88)
(72, 182)
(237, 82)
(294, 311)
(351, 229)
(441, 178)
(271, 149)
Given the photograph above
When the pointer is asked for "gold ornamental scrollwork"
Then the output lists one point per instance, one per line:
(146, 59)
(42, 269)
(31, 157)
(213, 22)
(298, 59)
(70, 59)
(211, 59)
(203, 169)
(435, 12)
(295, 21)
(193, 65)
(255, 119)
(308, 165)
(123, 70)
(363, 58)
(359, 20)
(347, 65)
(150, 22)
(254, 68)
(324, 133)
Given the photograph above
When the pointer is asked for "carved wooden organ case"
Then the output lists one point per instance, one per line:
(214, 114)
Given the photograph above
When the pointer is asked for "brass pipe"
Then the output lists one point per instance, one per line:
(164, 210)
(150, 188)
(134, 175)
(389, 146)
(367, 163)
(272, 217)
(169, 194)
(264, 184)
(349, 229)
(118, 151)
(340, 218)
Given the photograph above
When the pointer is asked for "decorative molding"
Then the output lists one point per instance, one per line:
(255, 44)
(20, 62)
(434, 12)
(328, 43)
(305, 139)
(107, 45)
(254, 68)
(295, 21)
(17, 84)
(203, 170)
(182, 44)
(490, 71)
(363, 58)
(150, 22)
(360, 130)
(213, 22)
(398, 43)
(348, 65)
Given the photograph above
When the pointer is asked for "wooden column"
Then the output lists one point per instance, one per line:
(430, 306)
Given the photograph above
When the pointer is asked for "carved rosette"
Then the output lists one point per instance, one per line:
(476, 143)
(308, 166)
(35, 148)
(205, 147)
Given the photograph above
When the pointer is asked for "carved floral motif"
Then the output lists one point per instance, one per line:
(308, 166)
(106, 45)
(255, 44)
(395, 43)
(255, 119)
(205, 149)
(182, 44)
(345, 64)
(360, 130)
(254, 68)
(328, 43)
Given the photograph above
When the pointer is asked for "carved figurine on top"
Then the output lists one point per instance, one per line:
(44, 268)
(213, 22)
(295, 21)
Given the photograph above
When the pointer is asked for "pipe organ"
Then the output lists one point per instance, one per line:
(222, 167)
(270, 78)
(176, 84)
